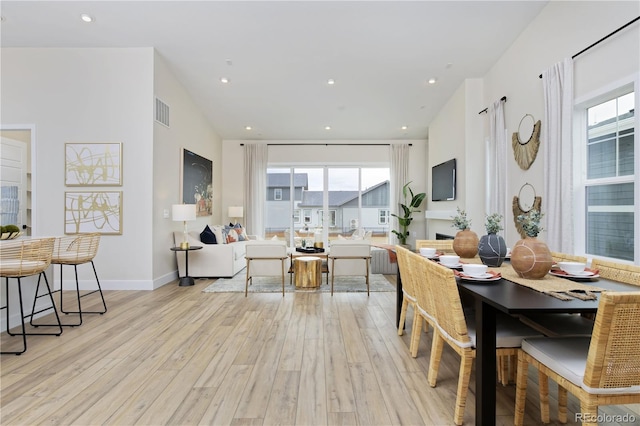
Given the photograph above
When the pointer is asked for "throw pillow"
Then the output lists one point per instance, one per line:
(242, 233)
(207, 236)
(232, 236)
(274, 238)
(340, 237)
(221, 236)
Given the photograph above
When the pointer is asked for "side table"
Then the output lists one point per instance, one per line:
(186, 280)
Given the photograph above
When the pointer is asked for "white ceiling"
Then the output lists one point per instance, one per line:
(279, 56)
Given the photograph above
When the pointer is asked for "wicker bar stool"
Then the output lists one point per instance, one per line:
(77, 250)
(24, 258)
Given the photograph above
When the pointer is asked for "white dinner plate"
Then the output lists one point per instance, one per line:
(435, 256)
(583, 274)
(484, 277)
(454, 266)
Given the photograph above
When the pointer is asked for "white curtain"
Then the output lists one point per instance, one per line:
(497, 160)
(556, 138)
(399, 154)
(255, 186)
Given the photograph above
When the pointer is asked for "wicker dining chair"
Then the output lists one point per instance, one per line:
(444, 246)
(561, 324)
(20, 259)
(75, 250)
(459, 332)
(409, 294)
(603, 369)
(425, 303)
(625, 273)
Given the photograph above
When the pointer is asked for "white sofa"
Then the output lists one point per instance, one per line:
(213, 260)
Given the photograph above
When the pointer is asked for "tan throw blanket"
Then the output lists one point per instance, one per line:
(391, 249)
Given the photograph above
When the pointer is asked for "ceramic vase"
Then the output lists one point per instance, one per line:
(492, 249)
(465, 243)
(531, 258)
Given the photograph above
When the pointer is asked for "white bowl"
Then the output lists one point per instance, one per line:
(427, 251)
(449, 260)
(572, 268)
(474, 270)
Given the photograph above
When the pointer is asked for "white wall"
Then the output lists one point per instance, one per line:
(188, 129)
(561, 30)
(349, 153)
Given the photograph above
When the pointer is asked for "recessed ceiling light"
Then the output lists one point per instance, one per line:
(247, 127)
(327, 127)
(86, 18)
(404, 127)
(331, 81)
(224, 80)
(432, 80)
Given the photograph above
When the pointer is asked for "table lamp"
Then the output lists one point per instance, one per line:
(236, 212)
(184, 213)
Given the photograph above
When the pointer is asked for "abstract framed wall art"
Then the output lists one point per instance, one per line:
(197, 182)
(93, 164)
(93, 211)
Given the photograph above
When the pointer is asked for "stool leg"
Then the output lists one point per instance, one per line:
(53, 306)
(24, 331)
(79, 311)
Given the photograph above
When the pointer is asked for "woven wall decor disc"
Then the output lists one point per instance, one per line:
(525, 151)
(523, 203)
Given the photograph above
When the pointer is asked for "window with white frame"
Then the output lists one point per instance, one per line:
(296, 215)
(383, 216)
(277, 194)
(307, 215)
(332, 218)
(609, 187)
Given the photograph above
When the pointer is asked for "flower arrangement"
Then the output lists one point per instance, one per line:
(530, 222)
(492, 223)
(460, 221)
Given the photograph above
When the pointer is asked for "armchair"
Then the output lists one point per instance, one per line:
(266, 259)
(349, 258)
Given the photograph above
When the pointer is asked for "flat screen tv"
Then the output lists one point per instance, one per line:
(443, 181)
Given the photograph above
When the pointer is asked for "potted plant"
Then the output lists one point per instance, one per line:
(465, 242)
(406, 218)
(492, 248)
(530, 257)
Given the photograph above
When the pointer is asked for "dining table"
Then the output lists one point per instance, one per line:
(505, 295)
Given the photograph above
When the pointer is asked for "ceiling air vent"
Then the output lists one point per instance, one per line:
(162, 112)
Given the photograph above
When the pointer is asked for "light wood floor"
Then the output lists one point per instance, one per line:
(179, 356)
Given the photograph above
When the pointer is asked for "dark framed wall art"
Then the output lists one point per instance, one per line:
(197, 182)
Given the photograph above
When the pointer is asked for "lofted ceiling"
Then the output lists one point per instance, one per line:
(279, 56)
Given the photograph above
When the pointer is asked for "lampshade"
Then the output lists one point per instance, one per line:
(236, 211)
(183, 212)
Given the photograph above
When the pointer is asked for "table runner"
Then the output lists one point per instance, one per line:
(561, 288)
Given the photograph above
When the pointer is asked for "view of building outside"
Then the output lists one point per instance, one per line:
(355, 200)
(610, 188)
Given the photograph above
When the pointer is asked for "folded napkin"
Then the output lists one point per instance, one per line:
(463, 275)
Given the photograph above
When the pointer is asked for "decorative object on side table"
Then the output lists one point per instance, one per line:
(530, 257)
(407, 211)
(184, 213)
(465, 242)
(492, 248)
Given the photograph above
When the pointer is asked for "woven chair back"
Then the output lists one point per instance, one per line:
(406, 273)
(564, 257)
(629, 274)
(75, 249)
(444, 246)
(419, 268)
(614, 353)
(21, 258)
(448, 306)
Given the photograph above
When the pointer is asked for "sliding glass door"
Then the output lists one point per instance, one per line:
(307, 204)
